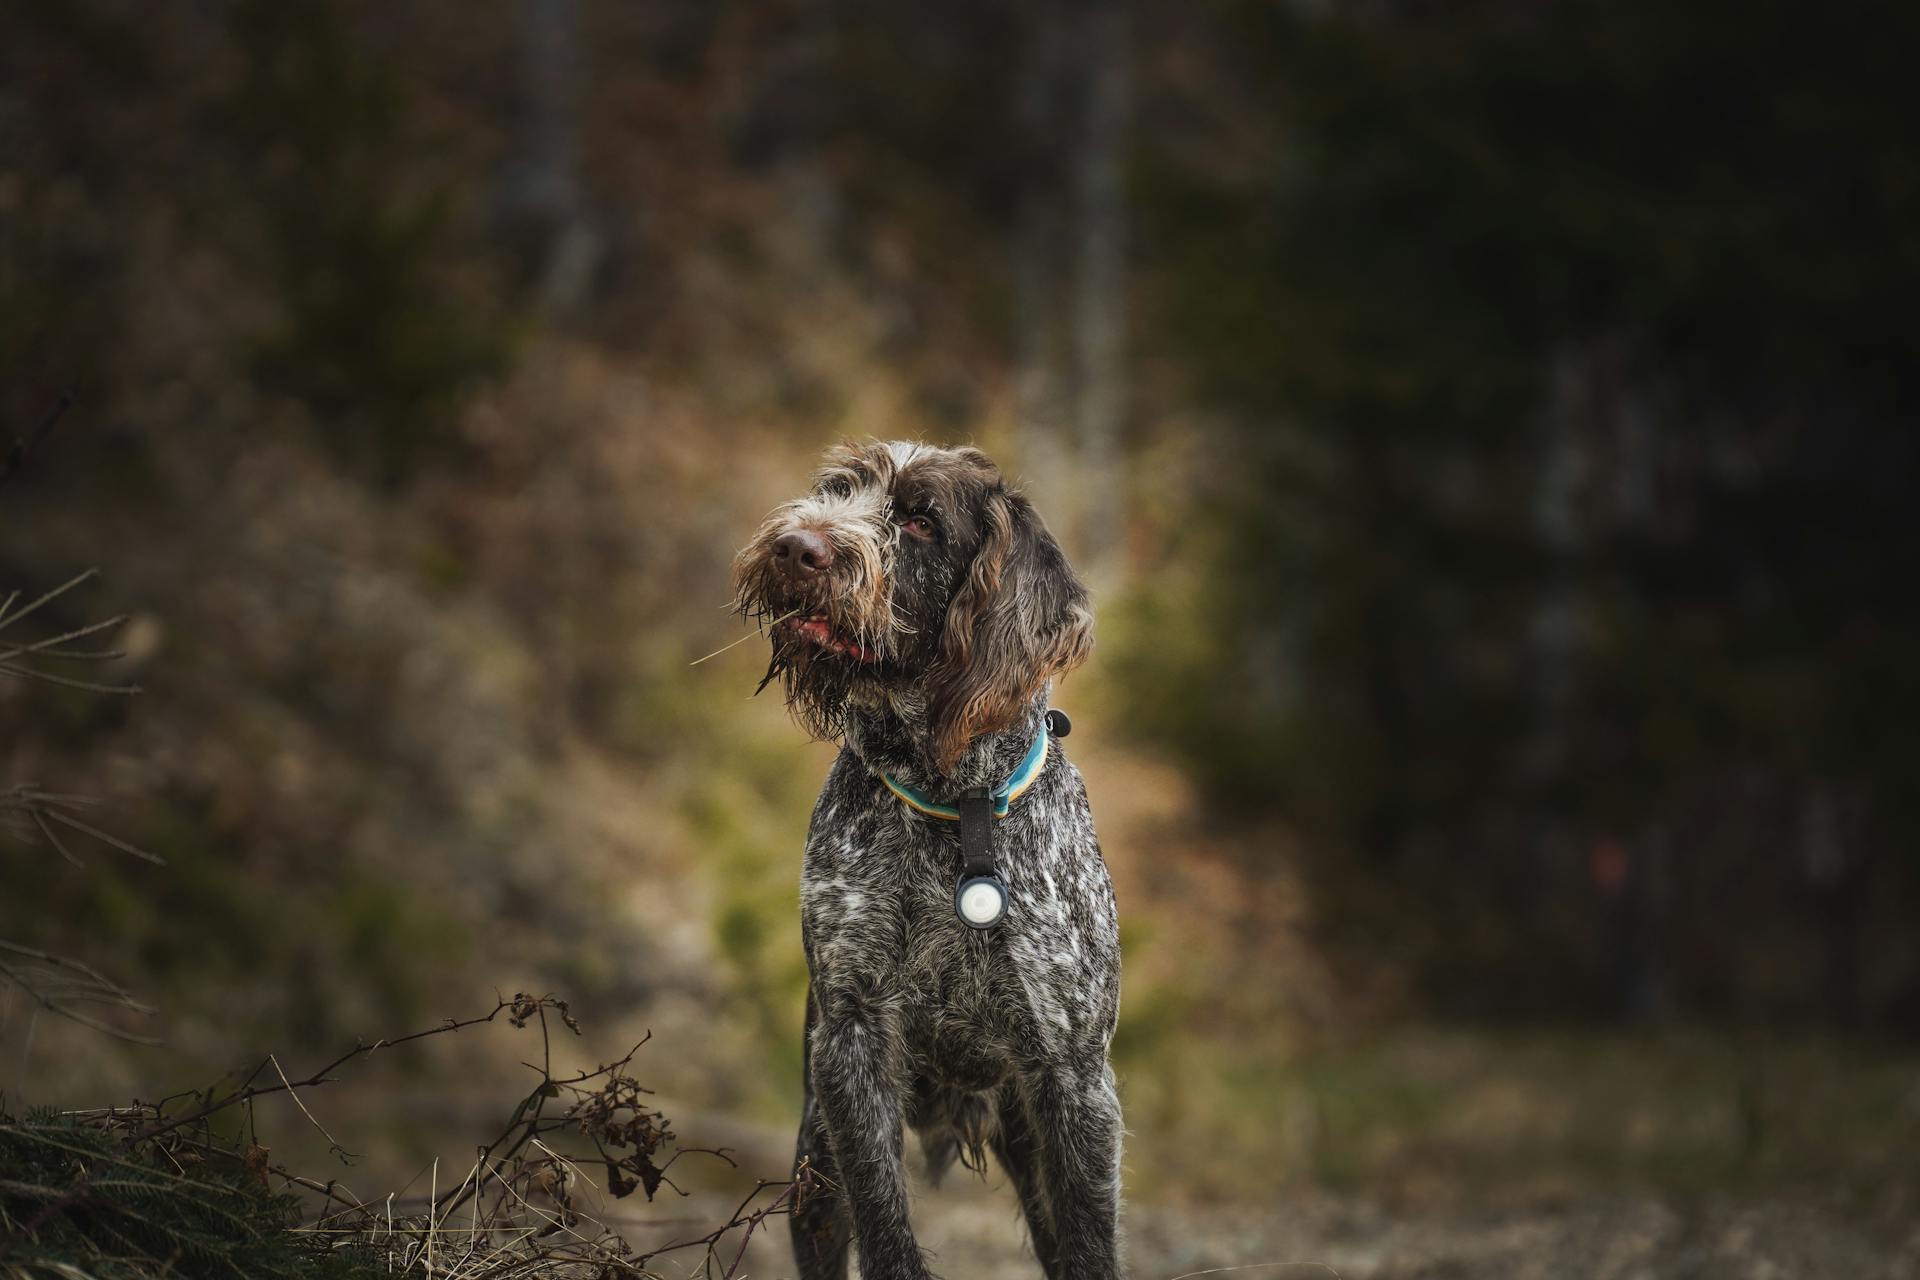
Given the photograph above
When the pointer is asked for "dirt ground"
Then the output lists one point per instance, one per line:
(971, 1229)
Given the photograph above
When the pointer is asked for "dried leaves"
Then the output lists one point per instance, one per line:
(614, 1116)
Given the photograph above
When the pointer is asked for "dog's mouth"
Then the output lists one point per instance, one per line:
(818, 632)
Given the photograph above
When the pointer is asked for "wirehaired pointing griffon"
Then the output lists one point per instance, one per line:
(958, 920)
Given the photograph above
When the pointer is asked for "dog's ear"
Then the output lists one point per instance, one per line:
(1019, 618)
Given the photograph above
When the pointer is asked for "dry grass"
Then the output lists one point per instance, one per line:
(524, 1207)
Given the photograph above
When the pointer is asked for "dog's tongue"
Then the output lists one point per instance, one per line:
(817, 631)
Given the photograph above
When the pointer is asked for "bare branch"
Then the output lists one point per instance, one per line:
(346, 1156)
(49, 647)
(78, 633)
(46, 807)
(46, 830)
(67, 682)
(8, 619)
(249, 1091)
(67, 820)
(57, 983)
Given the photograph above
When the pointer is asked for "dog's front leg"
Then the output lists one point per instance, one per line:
(1076, 1121)
(853, 1079)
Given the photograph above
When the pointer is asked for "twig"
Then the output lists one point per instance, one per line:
(46, 830)
(78, 633)
(251, 1091)
(68, 820)
(91, 985)
(44, 807)
(346, 1156)
(330, 1189)
(68, 682)
(8, 619)
(790, 1196)
(50, 646)
(760, 630)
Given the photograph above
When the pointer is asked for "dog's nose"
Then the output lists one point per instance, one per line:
(802, 553)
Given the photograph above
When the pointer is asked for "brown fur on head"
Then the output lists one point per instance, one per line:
(945, 592)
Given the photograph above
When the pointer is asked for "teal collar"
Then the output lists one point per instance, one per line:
(1003, 796)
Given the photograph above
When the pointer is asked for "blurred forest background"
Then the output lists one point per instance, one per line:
(1487, 426)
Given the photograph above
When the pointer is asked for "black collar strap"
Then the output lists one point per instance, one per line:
(980, 896)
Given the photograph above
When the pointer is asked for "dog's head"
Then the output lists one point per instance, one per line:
(913, 574)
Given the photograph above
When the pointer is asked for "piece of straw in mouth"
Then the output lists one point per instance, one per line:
(757, 631)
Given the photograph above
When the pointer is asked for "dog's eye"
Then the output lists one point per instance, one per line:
(920, 526)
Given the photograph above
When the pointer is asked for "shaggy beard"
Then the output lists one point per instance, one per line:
(818, 686)
(855, 601)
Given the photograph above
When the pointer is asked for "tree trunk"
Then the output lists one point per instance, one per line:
(546, 196)
(1564, 465)
(1041, 382)
(1100, 295)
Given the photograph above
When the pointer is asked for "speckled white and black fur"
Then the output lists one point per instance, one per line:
(978, 1040)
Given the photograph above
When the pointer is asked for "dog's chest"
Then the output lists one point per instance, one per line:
(877, 907)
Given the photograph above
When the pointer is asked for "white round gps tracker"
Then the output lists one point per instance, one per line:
(980, 901)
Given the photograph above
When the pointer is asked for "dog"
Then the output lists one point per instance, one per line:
(959, 924)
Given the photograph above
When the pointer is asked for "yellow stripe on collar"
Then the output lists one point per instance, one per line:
(1023, 777)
